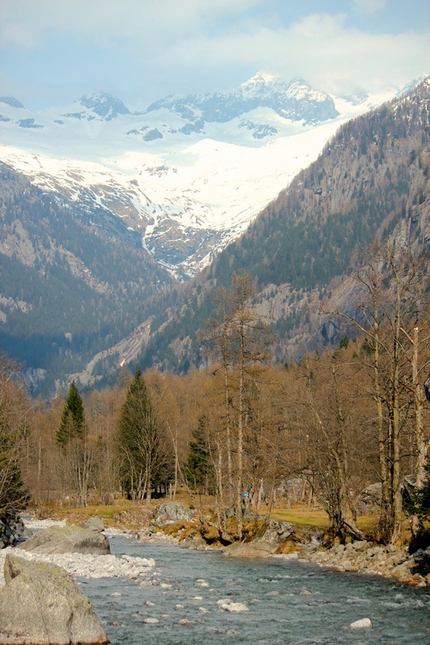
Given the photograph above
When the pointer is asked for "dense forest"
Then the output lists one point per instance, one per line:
(326, 427)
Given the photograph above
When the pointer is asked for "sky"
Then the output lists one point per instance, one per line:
(54, 51)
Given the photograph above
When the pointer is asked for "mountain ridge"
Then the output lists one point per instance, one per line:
(369, 181)
(186, 188)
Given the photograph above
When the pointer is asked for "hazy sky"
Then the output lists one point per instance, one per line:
(53, 51)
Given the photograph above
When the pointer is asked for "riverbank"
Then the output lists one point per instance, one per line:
(283, 541)
(366, 558)
(81, 565)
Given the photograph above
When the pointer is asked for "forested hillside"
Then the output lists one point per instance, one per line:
(80, 296)
(370, 182)
(67, 289)
(371, 176)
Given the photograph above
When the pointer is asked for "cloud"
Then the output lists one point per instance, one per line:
(321, 48)
(27, 23)
(144, 49)
(369, 6)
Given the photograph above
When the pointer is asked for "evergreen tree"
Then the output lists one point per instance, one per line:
(139, 445)
(14, 404)
(198, 469)
(416, 500)
(73, 417)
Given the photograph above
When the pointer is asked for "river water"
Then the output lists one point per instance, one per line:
(289, 602)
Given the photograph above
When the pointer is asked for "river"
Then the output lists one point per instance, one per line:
(289, 602)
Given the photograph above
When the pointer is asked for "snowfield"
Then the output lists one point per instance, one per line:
(179, 181)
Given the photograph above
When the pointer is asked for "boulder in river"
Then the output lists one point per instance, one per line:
(41, 604)
(229, 605)
(67, 539)
(362, 623)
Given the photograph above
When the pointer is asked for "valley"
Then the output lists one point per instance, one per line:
(140, 230)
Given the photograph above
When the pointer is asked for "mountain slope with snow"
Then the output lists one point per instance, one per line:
(188, 174)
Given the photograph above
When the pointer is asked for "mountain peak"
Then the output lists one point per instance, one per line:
(260, 78)
(104, 105)
(10, 100)
(412, 85)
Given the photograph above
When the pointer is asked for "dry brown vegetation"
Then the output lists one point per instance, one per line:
(302, 442)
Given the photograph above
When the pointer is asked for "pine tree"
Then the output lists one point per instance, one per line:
(198, 469)
(139, 445)
(14, 405)
(73, 417)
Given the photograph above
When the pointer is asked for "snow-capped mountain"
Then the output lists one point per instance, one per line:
(188, 174)
(295, 101)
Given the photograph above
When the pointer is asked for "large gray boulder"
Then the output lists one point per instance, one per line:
(266, 542)
(67, 539)
(93, 524)
(41, 604)
(370, 499)
(170, 513)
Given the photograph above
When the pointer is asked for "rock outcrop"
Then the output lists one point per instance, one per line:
(170, 513)
(12, 531)
(267, 541)
(370, 499)
(67, 539)
(42, 605)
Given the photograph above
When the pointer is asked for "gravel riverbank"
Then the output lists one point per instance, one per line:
(85, 565)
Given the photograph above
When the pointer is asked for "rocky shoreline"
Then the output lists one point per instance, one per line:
(366, 558)
(274, 539)
(359, 557)
(84, 565)
(278, 541)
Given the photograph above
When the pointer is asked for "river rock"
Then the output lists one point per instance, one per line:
(229, 605)
(277, 532)
(41, 604)
(389, 561)
(271, 535)
(421, 560)
(67, 539)
(363, 623)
